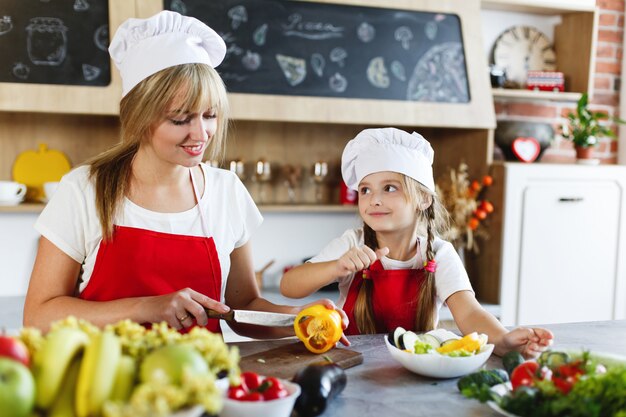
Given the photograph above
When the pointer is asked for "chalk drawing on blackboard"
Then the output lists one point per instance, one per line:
(233, 49)
(260, 34)
(5, 25)
(338, 56)
(21, 71)
(90, 72)
(238, 15)
(81, 5)
(366, 32)
(430, 30)
(233, 76)
(47, 41)
(318, 63)
(311, 30)
(397, 69)
(404, 35)
(338, 83)
(440, 75)
(294, 69)
(251, 61)
(179, 6)
(101, 37)
(377, 73)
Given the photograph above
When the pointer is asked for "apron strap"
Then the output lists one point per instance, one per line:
(205, 230)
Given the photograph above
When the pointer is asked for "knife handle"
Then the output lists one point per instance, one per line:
(212, 314)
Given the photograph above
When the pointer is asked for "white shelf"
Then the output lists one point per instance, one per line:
(540, 6)
(534, 95)
(307, 208)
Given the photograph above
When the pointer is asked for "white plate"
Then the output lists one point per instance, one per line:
(436, 365)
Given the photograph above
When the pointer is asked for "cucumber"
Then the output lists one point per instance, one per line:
(408, 340)
(485, 377)
(443, 335)
(511, 360)
(553, 359)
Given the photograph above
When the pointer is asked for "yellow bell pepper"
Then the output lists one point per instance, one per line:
(471, 343)
(318, 327)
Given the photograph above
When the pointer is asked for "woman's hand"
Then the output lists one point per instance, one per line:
(331, 306)
(530, 342)
(181, 309)
(357, 259)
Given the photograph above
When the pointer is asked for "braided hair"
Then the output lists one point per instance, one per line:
(432, 220)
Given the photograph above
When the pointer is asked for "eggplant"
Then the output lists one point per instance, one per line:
(320, 383)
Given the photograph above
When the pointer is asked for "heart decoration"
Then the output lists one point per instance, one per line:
(526, 149)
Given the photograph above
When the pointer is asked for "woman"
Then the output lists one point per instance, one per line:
(146, 231)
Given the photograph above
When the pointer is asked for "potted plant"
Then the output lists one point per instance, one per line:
(584, 128)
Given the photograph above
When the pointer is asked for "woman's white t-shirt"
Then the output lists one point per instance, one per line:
(71, 223)
(450, 276)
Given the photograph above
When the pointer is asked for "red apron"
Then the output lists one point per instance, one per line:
(140, 263)
(394, 297)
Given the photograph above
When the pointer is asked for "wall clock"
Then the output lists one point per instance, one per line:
(520, 49)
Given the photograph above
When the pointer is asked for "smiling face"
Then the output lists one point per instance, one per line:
(182, 137)
(384, 204)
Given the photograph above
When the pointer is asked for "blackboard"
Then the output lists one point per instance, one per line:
(55, 42)
(330, 50)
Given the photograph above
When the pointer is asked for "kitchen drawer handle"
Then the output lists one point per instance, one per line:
(570, 199)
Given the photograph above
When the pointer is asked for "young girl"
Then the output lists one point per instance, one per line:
(396, 271)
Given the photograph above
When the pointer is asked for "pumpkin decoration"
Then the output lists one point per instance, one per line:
(36, 167)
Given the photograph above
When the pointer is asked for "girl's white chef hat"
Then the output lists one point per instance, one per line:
(388, 149)
(142, 47)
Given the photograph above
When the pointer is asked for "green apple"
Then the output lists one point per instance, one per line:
(17, 389)
(168, 362)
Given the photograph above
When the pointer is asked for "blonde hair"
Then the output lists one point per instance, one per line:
(193, 88)
(432, 220)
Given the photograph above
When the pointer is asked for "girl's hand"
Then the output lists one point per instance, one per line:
(358, 258)
(331, 306)
(530, 342)
(181, 309)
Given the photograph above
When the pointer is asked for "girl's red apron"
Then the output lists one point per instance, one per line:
(140, 263)
(394, 297)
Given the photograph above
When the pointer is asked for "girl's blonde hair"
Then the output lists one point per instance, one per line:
(432, 221)
(193, 88)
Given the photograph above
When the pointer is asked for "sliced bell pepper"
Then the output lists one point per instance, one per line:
(318, 327)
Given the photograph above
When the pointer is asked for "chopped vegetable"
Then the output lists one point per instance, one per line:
(318, 327)
(484, 377)
(512, 360)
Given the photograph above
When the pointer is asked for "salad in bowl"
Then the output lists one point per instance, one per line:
(438, 353)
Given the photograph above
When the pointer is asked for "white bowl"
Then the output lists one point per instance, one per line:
(435, 365)
(280, 407)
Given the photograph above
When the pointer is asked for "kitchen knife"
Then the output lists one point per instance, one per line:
(261, 318)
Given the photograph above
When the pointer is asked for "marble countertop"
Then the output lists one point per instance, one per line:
(382, 387)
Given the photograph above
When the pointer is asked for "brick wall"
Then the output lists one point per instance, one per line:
(605, 96)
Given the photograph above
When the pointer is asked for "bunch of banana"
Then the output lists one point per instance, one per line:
(76, 374)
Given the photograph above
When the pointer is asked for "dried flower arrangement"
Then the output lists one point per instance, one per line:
(463, 198)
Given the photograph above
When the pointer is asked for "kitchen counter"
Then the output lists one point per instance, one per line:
(382, 387)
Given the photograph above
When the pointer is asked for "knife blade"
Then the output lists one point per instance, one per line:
(261, 318)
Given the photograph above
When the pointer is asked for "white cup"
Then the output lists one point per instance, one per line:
(49, 188)
(12, 191)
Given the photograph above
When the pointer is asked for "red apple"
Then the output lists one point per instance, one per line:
(15, 349)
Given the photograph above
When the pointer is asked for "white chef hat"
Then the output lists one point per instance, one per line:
(388, 149)
(142, 47)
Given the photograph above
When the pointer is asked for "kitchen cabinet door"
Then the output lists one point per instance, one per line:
(568, 252)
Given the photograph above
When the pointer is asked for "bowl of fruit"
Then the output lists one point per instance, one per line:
(438, 353)
(258, 395)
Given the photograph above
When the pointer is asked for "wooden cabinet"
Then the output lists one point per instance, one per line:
(575, 38)
(556, 250)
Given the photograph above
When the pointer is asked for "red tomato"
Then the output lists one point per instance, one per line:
(275, 389)
(251, 381)
(564, 384)
(524, 374)
(236, 393)
(252, 396)
(570, 370)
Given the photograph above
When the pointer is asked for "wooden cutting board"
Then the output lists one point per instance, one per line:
(286, 360)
